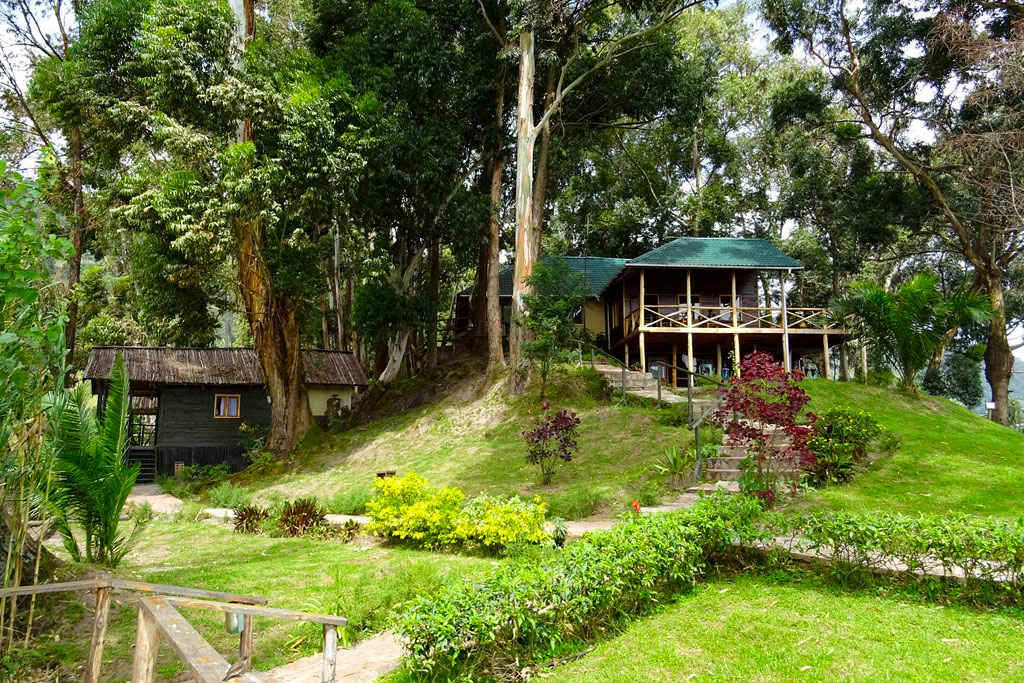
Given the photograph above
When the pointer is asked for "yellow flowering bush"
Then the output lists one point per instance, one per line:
(408, 509)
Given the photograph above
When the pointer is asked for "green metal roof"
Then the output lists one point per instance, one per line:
(717, 252)
(597, 272)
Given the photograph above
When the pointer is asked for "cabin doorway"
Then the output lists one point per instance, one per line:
(142, 424)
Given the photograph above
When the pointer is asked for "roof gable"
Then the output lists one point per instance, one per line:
(597, 272)
(717, 252)
(162, 365)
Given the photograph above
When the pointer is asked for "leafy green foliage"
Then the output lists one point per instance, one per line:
(494, 522)
(839, 444)
(908, 326)
(578, 501)
(92, 479)
(350, 502)
(524, 611)
(552, 438)
(228, 495)
(301, 516)
(551, 313)
(988, 553)
(249, 519)
(958, 378)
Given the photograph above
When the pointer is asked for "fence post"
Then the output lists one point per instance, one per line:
(99, 635)
(330, 652)
(657, 380)
(697, 461)
(147, 644)
(689, 396)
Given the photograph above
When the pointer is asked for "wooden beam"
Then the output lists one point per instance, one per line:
(204, 663)
(824, 348)
(330, 652)
(689, 306)
(161, 589)
(735, 310)
(147, 645)
(257, 611)
(689, 358)
(94, 663)
(736, 353)
(245, 639)
(626, 346)
(643, 349)
(41, 588)
(864, 360)
(718, 354)
(785, 324)
(643, 315)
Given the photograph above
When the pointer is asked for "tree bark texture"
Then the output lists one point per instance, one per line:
(495, 351)
(77, 239)
(525, 256)
(434, 276)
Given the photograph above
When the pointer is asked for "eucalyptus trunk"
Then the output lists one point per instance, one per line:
(998, 355)
(495, 351)
(434, 283)
(525, 256)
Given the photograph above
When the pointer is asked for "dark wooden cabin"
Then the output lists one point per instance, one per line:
(187, 404)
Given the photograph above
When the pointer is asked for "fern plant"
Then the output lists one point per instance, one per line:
(92, 479)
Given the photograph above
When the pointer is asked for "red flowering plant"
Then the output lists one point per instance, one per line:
(759, 412)
(552, 438)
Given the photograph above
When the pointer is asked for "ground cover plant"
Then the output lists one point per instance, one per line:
(780, 629)
(524, 612)
(839, 443)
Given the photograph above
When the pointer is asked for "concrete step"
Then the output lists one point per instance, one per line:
(714, 487)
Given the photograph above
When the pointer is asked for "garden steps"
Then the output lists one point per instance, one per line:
(725, 467)
(643, 385)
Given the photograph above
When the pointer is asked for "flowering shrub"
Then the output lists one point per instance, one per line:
(759, 412)
(552, 438)
(407, 508)
(524, 611)
(410, 510)
(497, 522)
(839, 443)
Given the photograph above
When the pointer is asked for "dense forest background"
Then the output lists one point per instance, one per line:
(331, 173)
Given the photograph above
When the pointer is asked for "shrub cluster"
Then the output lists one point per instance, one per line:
(985, 555)
(410, 510)
(301, 517)
(839, 444)
(525, 611)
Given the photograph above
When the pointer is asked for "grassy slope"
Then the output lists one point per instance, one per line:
(363, 583)
(950, 460)
(752, 630)
(471, 437)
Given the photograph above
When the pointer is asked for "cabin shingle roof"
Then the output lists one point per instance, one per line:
(717, 252)
(597, 272)
(163, 365)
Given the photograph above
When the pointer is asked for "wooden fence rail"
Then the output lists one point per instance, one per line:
(159, 618)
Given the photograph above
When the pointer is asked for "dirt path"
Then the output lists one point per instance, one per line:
(161, 503)
(367, 661)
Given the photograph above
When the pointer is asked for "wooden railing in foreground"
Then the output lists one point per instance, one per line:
(158, 617)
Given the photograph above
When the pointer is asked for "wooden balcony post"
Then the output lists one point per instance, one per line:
(689, 302)
(99, 635)
(864, 361)
(643, 353)
(828, 365)
(689, 358)
(675, 362)
(643, 311)
(736, 352)
(735, 311)
(718, 354)
(785, 323)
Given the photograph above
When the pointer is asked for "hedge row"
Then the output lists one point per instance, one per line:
(985, 555)
(521, 612)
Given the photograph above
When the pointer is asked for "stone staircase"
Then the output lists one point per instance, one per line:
(725, 467)
(643, 384)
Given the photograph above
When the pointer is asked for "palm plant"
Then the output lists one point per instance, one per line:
(908, 326)
(92, 480)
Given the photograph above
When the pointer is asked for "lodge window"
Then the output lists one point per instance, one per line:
(226, 405)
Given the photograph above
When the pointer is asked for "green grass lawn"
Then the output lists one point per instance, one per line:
(357, 580)
(750, 629)
(471, 437)
(950, 460)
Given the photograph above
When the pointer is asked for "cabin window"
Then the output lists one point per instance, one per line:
(226, 405)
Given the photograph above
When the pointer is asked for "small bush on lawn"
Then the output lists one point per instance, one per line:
(351, 502)
(409, 509)
(839, 444)
(227, 495)
(987, 553)
(249, 519)
(497, 522)
(302, 516)
(552, 438)
(524, 611)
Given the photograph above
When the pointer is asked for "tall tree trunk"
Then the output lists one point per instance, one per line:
(998, 356)
(77, 239)
(397, 346)
(525, 256)
(495, 352)
(434, 282)
(478, 304)
(540, 185)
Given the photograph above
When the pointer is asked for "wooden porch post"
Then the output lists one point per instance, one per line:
(626, 345)
(643, 312)
(675, 362)
(864, 360)
(718, 354)
(689, 305)
(735, 311)
(736, 352)
(828, 365)
(689, 358)
(785, 323)
(643, 350)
